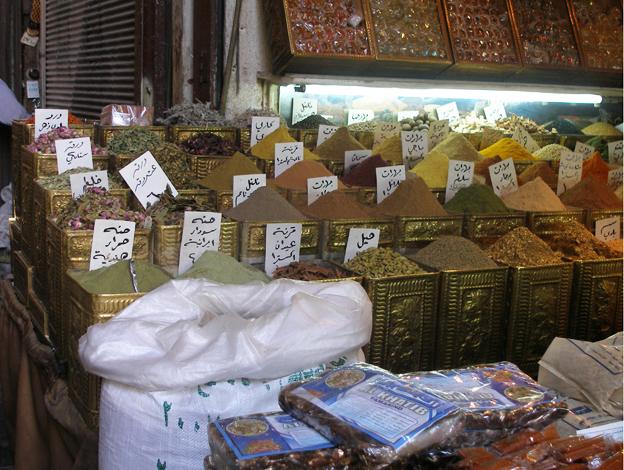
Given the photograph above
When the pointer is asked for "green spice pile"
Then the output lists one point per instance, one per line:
(218, 267)
(572, 241)
(209, 144)
(381, 262)
(170, 210)
(133, 141)
(312, 122)
(476, 199)
(309, 271)
(175, 164)
(452, 253)
(192, 114)
(58, 182)
(601, 145)
(116, 279)
(521, 247)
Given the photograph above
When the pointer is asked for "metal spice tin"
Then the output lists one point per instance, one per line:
(104, 134)
(335, 233)
(546, 223)
(265, 166)
(180, 133)
(15, 234)
(413, 233)
(485, 229)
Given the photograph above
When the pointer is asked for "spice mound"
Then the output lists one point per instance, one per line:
(170, 210)
(591, 194)
(541, 170)
(601, 128)
(62, 181)
(482, 168)
(218, 267)
(476, 199)
(209, 144)
(507, 148)
(364, 174)
(535, 196)
(574, 242)
(457, 147)
(433, 169)
(563, 126)
(309, 271)
(221, 179)
(265, 149)
(133, 141)
(411, 199)
(616, 245)
(116, 279)
(550, 152)
(521, 247)
(312, 122)
(45, 142)
(335, 147)
(391, 149)
(510, 123)
(175, 164)
(381, 262)
(596, 167)
(337, 205)
(451, 253)
(192, 114)
(296, 177)
(265, 205)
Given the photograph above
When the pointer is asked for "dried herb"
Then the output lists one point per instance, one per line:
(309, 271)
(244, 119)
(192, 114)
(521, 247)
(116, 279)
(219, 267)
(45, 142)
(175, 164)
(133, 141)
(382, 262)
(169, 210)
(62, 181)
(209, 144)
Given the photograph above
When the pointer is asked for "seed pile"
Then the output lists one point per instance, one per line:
(452, 253)
(265, 205)
(309, 271)
(550, 152)
(312, 122)
(601, 128)
(209, 144)
(521, 247)
(133, 141)
(382, 262)
(116, 279)
(573, 242)
(534, 196)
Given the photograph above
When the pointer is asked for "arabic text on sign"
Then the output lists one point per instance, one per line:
(261, 126)
(438, 130)
(200, 233)
(460, 175)
(521, 136)
(302, 108)
(615, 152)
(361, 239)
(48, 119)
(146, 179)
(73, 153)
(81, 182)
(359, 115)
(388, 179)
(324, 133)
(355, 157)
(414, 146)
(583, 149)
(112, 241)
(245, 185)
(503, 176)
(608, 229)
(448, 111)
(286, 155)
(318, 187)
(570, 171)
(495, 112)
(282, 245)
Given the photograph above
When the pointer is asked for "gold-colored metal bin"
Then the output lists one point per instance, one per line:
(368, 196)
(15, 234)
(265, 166)
(596, 306)
(203, 165)
(22, 270)
(412, 233)
(335, 234)
(335, 167)
(84, 129)
(220, 201)
(485, 229)
(39, 314)
(180, 133)
(308, 137)
(17, 130)
(244, 137)
(547, 223)
(104, 134)
(592, 215)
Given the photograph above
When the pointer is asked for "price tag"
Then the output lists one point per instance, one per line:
(414, 145)
(48, 119)
(200, 233)
(448, 111)
(286, 155)
(302, 108)
(614, 178)
(384, 130)
(608, 229)
(361, 239)
(29, 40)
(584, 149)
(570, 171)
(521, 136)
(407, 115)
(503, 176)
(388, 179)
(261, 127)
(245, 185)
(318, 187)
(73, 153)
(360, 115)
(438, 130)
(32, 89)
(355, 157)
(615, 152)
(146, 179)
(283, 244)
(460, 175)
(494, 112)
(112, 242)
(324, 133)
(80, 182)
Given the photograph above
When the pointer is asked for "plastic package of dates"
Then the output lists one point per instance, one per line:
(272, 440)
(381, 417)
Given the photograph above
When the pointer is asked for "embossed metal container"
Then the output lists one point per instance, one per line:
(471, 317)
(221, 201)
(546, 223)
(539, 302)
(592, 215)
(596, 307)
(203, 165)
(17, 140)
(104, 134)
(308, 137)
(522, 165)
(22, 270)
(413, 233)
(265, 166)
(335, 234)
(252, 240)
(368, 196)
(485, 229)
(179, 133)
(440, 193)
(39, 313)
(15, 234)
(337, 168)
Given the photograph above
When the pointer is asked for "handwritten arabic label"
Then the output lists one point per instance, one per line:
(200, 233)
(80, 182)
(112, 242)
(415, 145)
(146, 179)
(570, 171)
(359, 115)
(48, 119)
(494, 112)
(438, 130)
(584, 149)
(448, 111)
(245, 185)
(261, 126)
(521, 136)
(614, 178)
(407, 115)
(283, 244)
(318, 187)
(608, 229)
(286, 155)
(324, 133)
(388, 179)
(460, 175)
(302, 108)
(73, 153)
(503, 176)
(355, 157)
(361, 239)
(385, 130)
(615, 152)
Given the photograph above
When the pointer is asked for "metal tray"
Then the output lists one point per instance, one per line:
(485, 229)
(413, 233)
(335, 234)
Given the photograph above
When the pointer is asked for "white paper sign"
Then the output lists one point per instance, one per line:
(318, 187)
(200, 233)
(388, 179)
(448, 111)
(355, 157)
(608, 229)
(261, 126)
(521, 136)
(80, 182)
(302, 108)
(146, 179)
(415, 145)
(48, 119)
(615, 152)
(324, 133)
(438, 130)
(112, 242)
(361, 239)
(245, 185)
(614, 178)
(73, 153)
(460, 175)
(286, 155)
(360, 115)
(584, 149)
(384, 130)
(407, 115)
(29, 40)
(494, 112)
(503, 176)
(32, 89)
(283, 244)
(570, 171)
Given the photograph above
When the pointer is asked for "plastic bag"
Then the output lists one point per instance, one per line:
(126, 115)
(366, 408)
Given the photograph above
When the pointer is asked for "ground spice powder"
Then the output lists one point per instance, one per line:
(335, 206)
(538, 170)
(391, 149)
(521, 247)
(219, 267)
(616, 245)
(507, 148)
(265, 149)
(265, 205)
(433, 169)
(335, 147)
(457, 147)
(451, 252)
(601, 128)
(411, 199)
(596, 167)
(365, 173)
(591, 194)
(222, 177)
(296, 177)
(535, 196)
(482, 168)
(116, 279)
(574, 242)
(476, 199)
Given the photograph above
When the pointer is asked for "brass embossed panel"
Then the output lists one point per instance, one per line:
(39, 314)
(203, 165)
(592, 215)
(22, 276)
(546, 223)
(335, 234)
(177, 134)
(103, 134)
(486, 229)
(416, 232)
(308, 137)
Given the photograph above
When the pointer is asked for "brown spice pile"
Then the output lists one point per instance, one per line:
(452, 253)
(265, 205)
(309, 271)
(482, 168)
(541, 170)
(365, 173)
(591, 193)
(534, 196)
(574, 242)
(296, 177)
(521, 247)
(337, 205)
(335, 147)
(616, 245)
(411, 199)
